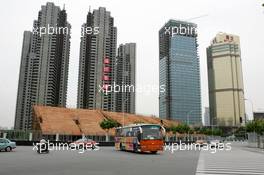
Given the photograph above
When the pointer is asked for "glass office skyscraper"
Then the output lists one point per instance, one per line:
(179, 72)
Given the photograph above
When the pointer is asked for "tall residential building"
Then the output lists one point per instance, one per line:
(44, 64)
(179, 72)
(125, 73)
(226, 89)
(97, 61)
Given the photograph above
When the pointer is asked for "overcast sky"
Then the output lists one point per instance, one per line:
(139, 21)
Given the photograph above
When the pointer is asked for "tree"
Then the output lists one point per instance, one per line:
(217, 132)
(240, 132)
(107, 124)
(181, 128)
(138, 122)
(209, 131)
(197, 130)
(173, 128)
(256, 126)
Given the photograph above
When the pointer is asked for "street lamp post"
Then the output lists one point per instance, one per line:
(188, 123)
(124, 111)
(212, 130)
(252, 106)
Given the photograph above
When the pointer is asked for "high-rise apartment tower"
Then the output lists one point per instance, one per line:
(125, 78)
(44, 64)
(97, 61)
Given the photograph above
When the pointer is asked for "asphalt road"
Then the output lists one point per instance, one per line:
(240, 160)
(106, 161)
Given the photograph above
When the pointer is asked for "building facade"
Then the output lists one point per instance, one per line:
(44, 64)
(125, 78)
(179, 72)
(226, 89)
(97, 61)
(258, 115)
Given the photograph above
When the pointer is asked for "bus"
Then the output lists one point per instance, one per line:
(140, 138)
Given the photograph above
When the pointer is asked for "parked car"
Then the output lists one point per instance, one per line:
(216, 143)
(7, 145)
(83, 143)
(201, 142)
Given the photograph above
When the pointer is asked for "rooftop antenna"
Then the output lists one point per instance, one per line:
(63, 6)
(89, 8)
(201, 16)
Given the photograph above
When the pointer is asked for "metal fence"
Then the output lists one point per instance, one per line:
(191, 137)
(33, 135)
(18, 135)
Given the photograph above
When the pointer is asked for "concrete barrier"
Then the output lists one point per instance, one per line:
(261, 142)
(252, 140)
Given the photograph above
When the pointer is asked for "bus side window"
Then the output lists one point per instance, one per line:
(129, 134)
(133, 133)
(123, 133)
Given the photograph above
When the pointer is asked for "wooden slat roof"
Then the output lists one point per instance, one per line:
(52, 120)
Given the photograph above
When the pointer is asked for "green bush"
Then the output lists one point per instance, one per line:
(256, 126)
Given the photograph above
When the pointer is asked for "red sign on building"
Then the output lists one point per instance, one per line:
(106, 78)
(106, 60)
(106, 69)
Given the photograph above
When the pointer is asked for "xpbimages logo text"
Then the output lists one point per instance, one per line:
(212, 148)
(46, 146)
(116, 88)
(180, 30)
(55, 30)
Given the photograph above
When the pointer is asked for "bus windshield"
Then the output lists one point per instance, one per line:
(151, 132)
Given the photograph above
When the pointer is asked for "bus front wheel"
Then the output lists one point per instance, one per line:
(154, 152)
